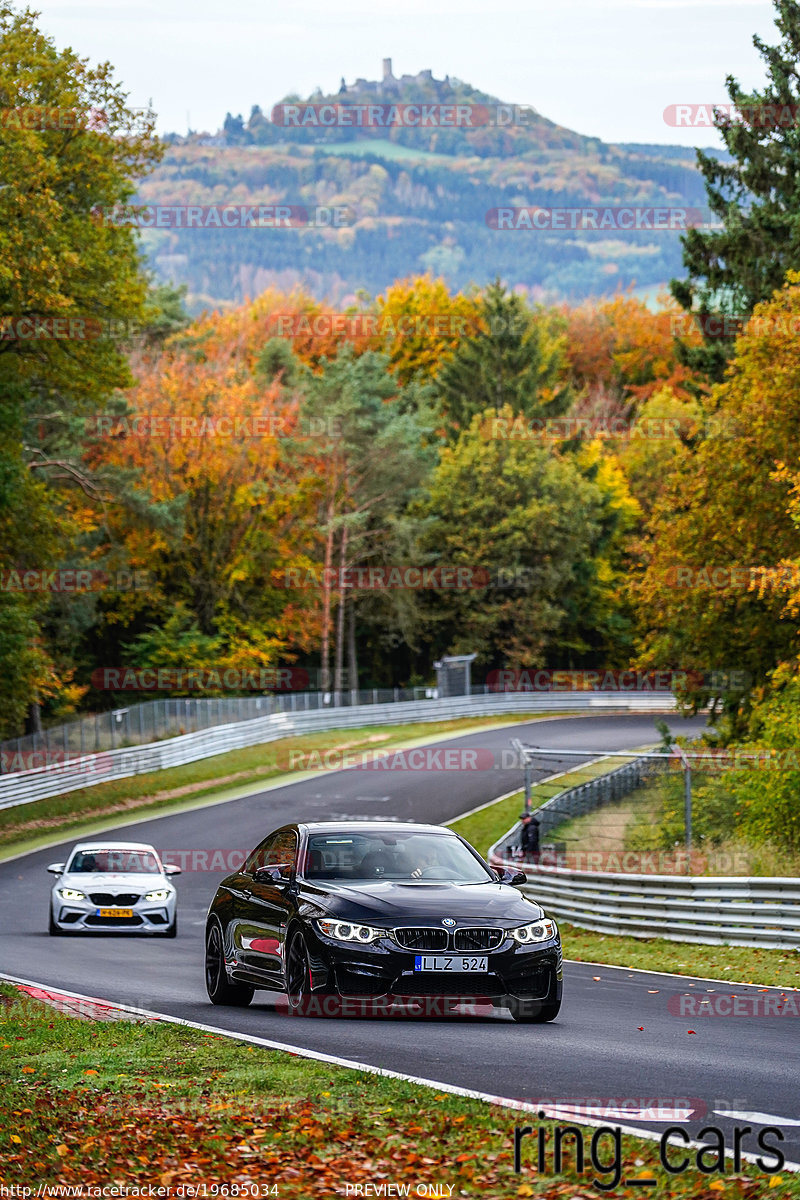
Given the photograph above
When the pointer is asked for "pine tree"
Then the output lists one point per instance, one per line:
(755, 198)
(516, 359)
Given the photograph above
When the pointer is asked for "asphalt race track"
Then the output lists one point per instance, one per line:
(596, 1051)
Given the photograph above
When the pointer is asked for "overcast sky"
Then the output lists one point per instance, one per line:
(607, 68)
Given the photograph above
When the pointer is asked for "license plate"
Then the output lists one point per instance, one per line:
(114, 912)
(450, 962)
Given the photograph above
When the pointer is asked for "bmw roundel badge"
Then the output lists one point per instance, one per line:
(448, 921)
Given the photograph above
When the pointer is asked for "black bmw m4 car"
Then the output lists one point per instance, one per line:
(379, 911)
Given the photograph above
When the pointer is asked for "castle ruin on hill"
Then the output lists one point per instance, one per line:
(390, 85)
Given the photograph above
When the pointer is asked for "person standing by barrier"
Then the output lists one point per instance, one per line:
(529, 837)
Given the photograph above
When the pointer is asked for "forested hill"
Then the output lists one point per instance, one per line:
(417, 198)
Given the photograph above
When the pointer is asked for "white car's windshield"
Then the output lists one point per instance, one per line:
(393, 856)
(117, 861)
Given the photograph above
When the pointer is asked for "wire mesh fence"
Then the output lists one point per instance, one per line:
(155, 720)
(581, 799)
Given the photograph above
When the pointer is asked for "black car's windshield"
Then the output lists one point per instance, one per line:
(114, 861)
(400, 856)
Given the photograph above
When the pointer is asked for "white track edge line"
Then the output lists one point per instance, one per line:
(775, 987)
(368, 1068)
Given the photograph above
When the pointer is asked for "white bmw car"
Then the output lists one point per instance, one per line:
(109, 885)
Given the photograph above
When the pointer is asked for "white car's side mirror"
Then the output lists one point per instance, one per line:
(171, 869)
(56, 868)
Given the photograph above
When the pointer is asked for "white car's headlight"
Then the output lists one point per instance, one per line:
(164, 894)
(345, 931)
(537, 931)
(70, 894)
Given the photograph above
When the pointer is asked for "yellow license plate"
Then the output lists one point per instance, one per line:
(115, 912)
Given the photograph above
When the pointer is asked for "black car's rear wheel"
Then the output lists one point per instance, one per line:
(537, 1012)
(220, 989)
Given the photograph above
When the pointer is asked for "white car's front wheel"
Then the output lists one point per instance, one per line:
(52, 928)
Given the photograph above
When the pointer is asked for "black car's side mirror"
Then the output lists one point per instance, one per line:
(278, 875)
(512, 877)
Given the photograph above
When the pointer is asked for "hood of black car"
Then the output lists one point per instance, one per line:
(424, 903)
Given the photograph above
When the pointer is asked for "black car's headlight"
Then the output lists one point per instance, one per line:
(537, 931)
(346, 931)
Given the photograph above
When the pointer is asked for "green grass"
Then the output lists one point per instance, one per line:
(161, 1105)
(27, 826)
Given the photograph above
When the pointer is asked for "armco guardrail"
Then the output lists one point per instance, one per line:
(23, 787)
(711, 910)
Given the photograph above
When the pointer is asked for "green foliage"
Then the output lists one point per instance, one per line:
(516, 360)
(534, 522)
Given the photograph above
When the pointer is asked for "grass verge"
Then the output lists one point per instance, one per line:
(167, 1107)
(779, 968)
(27, 826)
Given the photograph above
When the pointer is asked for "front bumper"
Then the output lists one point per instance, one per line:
(82, 917)
(384, 969)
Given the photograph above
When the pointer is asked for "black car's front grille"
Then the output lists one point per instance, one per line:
(421, 939)
(477, 939)
(109, 901)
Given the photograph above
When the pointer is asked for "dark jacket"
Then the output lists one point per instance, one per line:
(529, 837)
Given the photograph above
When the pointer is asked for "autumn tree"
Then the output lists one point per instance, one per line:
(422, 326)
(374, 445)
(708, 597)
(72, 151)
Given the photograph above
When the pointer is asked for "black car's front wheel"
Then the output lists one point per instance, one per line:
(220, 989)
(298, 976)
(537, 1012)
